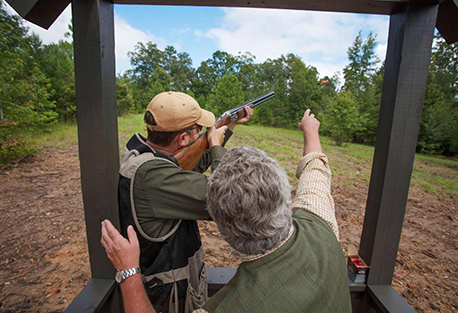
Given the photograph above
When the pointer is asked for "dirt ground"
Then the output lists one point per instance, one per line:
(44, 259)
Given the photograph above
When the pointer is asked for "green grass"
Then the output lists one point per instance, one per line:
(128, 125)
(62, 134)
(350, 163)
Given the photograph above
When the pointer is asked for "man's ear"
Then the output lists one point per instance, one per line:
(183, 139)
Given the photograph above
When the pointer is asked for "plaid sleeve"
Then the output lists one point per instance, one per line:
(314, 188)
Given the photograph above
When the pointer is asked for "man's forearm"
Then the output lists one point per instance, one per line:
(312, 142)
(124, 254)
(313, 191)
(134, 296)
(310, 126)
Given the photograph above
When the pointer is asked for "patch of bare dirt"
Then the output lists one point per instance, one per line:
(43, 252)
(44, 259)
(426, 269)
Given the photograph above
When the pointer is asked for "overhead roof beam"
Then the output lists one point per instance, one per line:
(40, 12)
(45, 12)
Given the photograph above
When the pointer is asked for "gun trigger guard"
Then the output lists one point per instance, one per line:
(234, 117)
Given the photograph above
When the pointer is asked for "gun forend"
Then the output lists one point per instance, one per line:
(238, 112)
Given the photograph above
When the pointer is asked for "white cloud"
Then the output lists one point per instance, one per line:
(126, 37)
(380, 51)
(320, 38)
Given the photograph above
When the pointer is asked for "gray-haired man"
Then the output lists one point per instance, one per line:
(292, 260)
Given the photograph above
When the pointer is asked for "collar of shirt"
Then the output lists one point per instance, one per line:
(247, 257)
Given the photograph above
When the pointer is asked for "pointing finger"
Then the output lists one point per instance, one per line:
(307, 112)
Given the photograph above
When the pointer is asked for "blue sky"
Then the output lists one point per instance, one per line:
(174, 25)
(320, 39)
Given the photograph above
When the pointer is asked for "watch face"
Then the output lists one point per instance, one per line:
(118, 277)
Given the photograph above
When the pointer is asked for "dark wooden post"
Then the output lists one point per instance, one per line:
(406, 70)
(93, 29)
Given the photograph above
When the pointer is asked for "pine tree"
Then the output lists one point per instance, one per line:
(228, 94)
(25, 92)
(342, 118)
(360, 76)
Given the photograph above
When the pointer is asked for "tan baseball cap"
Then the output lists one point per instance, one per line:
(174, 111)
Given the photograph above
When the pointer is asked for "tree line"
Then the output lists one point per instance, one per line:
(348, 109)
(37, 88)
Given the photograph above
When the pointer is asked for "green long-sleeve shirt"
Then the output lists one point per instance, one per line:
(165, 193)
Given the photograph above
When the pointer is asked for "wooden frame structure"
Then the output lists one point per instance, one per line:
(412, 24)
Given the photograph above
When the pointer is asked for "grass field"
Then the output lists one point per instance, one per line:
(350, 163)
(42, 196)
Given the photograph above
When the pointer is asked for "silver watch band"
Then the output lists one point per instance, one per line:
(122, 275)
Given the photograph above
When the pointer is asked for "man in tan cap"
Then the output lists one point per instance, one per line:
(162, 201)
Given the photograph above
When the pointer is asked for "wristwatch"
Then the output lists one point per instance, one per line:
(121, 275)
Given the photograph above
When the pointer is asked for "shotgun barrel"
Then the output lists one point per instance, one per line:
(234, 113)
(189, 156)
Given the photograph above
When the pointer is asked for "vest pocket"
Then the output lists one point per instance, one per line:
(196, 297)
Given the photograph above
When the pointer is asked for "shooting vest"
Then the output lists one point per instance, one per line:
(306, 274)
(172, 266)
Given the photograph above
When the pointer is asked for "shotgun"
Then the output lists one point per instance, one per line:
(189, 156)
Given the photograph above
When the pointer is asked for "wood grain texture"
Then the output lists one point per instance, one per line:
(93, 25)
(93, 296)
(40, 12)
(187, 157)
(406, 69)
(387, 300)
(45, 12)
(354, 6)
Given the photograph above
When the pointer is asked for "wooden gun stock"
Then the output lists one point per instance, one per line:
(189, 156)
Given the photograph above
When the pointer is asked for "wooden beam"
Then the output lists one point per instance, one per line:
(447, 20)
(93, 296)
(387, 300)
(40, 12)
(93, 32)
(350, 6)
(406, 70)
(44, 12)
(218, 277)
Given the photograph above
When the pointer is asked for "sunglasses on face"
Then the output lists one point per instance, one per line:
(198, 127)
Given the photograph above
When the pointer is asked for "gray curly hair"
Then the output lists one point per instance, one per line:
(248, 196)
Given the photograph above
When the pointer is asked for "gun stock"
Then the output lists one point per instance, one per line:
(189, 156)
